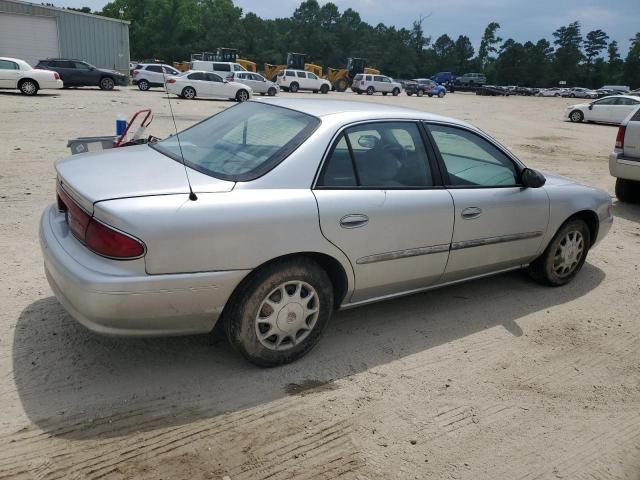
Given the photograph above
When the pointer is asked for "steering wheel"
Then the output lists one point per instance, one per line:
(398, 151)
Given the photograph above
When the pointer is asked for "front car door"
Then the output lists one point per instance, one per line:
(216, 87)
(9, 74)
(301, 78)
(381, 201)
(601, 110)
(85, 74)
(499, 224)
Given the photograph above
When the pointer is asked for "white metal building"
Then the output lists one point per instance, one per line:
(34, 32)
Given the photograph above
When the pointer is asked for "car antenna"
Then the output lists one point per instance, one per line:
(192, 195)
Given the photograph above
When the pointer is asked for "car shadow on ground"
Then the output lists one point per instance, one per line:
(18, 94)
(78, 385)
(628, 211)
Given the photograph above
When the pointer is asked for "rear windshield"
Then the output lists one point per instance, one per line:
(240, 143)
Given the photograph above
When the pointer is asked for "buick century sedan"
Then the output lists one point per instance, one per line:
(273, 214)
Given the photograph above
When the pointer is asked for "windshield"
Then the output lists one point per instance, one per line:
(242, 142)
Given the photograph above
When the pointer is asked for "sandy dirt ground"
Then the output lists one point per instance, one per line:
(494, 379)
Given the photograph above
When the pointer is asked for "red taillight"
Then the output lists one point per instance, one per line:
(99, 237)
(362, 83)
(111, 243)
(136, 72)
(171, 80)
(284, 79)
(620, 138)
(56, 75)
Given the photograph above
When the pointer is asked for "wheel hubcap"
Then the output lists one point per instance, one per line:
(28, 87)
(287, 315)
(568, 254)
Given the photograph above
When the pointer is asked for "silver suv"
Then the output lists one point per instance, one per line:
(624, 161)
(371, 84)
(472, 79)
(257, 82)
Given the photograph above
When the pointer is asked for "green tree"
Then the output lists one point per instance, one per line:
(632, 63)
(488, 44)
(568, 55)
(462, 54)
(615, 63)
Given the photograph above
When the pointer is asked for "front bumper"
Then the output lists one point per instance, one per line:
(121, 81)
(119, 298)
(625, 168)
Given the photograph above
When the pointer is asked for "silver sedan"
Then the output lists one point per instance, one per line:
(274, 213)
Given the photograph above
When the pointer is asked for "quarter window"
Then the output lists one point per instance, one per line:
(471, 160)
(383, 155)
(626, 101)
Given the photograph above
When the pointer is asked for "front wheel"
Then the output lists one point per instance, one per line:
(396, 92)
(627, 190)
(440, 94)
(564, 256)
(576, 116)
(107, 83)
(278, 314)
(143, 85)
(242, 96)
(324, 89)
(272, 92)
(420, 93)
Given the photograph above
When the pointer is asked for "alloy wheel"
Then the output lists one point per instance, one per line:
(568, 254)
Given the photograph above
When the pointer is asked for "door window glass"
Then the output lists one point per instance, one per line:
(606, 101)
(222, 67)
(197, 76)
(301, 74)
(625, 101)
(155, 68)
(312, 76)
(382, 155)
(470, 160)
(212, 77)
(8, 65)
(81, 66)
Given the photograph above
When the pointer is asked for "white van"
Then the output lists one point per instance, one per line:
(224, 69)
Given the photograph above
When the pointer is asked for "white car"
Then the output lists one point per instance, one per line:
(257, 82)
(147, 75)
(16, 74)
(194, 84)
(294, 80)
(371, 84)
(224, 69)
(624, 161)
(612, 109)
(551, 92)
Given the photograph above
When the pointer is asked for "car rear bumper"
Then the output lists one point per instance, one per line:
(50, 84)
(105, 298)
(121, 81)
(625, 168)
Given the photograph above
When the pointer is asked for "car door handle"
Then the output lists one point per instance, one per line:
(470, 213)
(354, 221)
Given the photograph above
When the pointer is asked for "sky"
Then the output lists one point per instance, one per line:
(521, 20)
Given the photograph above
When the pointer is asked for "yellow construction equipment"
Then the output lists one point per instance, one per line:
(342, 78)
(295, 61)
(231, 55)
(181, 66)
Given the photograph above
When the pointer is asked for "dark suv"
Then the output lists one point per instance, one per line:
(76, 73)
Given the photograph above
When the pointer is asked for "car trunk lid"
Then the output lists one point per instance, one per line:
(137, 171)
(631, 145)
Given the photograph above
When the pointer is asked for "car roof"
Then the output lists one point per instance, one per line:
(323, 108)
(632, 97)
(16, 60)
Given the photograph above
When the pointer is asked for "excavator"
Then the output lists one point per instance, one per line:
(221, 55)
(342, 78)
(295, 61)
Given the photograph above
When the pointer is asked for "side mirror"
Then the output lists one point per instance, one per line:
(591, 106)
(368, 141)
(532, 178)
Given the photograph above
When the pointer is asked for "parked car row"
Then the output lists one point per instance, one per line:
(612, 109)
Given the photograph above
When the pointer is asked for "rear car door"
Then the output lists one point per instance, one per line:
(622, 109)
(9, 74)
(499, 224)
(381, 202)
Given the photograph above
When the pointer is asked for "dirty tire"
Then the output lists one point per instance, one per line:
(143, 85)
(341, 84)
(576, 116)
(370, 91)
(544, 269)
(627, 190)
(324, 89)
(396, 92)
(242, 96)
(189, 93)
(107, 83)
(28, 87)
(293, 88)
(420, 93)
(247, 304)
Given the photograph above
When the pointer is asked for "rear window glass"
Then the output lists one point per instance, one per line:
(242, 142)
(222, 67)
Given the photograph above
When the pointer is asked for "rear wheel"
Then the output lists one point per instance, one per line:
(107, 83)
(409, 93)
(28, 87)
(384, 94)
(564, 256)
(143, 85)
(370, 90)
(627, 190)
(341, 84)
(272, 92)
(242, 96)
(293, 88)
(189, 93)
(278, 314)
(324, 89)
(576, 116)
